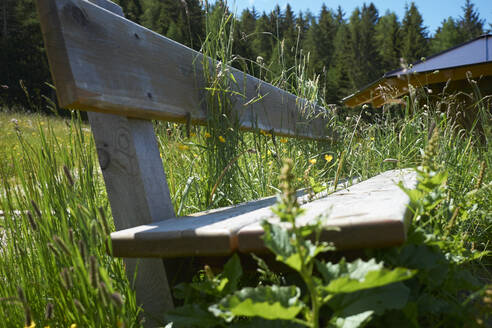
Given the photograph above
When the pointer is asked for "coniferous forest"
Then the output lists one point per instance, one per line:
(345, 50)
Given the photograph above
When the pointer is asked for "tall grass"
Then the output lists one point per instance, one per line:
(55, 267)
(54, 263)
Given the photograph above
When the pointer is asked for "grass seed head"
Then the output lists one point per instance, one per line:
(82, 250)
(66, 279)
(68, 175)
(32, 222)
(36, 208)
(93, 271)
(61, 244)
(49, 311)
(481, 175)
(79, 306)
(117, 299)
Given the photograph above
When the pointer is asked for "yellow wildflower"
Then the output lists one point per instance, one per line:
(312, 161)
(207, 135)
(32, 325)
(192, 134)
(328, 158)
(372, 138)
(221, 139)
(183, 147)
(270, 163)
(73, 325)
(283, 140)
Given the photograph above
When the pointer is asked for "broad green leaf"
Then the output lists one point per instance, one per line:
(430, 262)
(277, 240)
(192, 315)
(268, 302)
(394, 296)
(263, 323)
(233, 272)
(294, 261)
(280, 242)
(355, 321)
(354, 270)
(372, 279)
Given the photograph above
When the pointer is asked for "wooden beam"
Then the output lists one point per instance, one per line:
(373, 213)
(138, 193)
(105, 63)
(390, 88)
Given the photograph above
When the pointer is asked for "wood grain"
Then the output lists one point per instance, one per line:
(102, 62)
(372, 213)
(388, 89)
(138, 193)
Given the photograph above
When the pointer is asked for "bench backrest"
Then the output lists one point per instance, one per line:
(103, 62)
(124, 75)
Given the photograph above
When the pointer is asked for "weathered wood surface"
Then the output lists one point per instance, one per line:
(137, 190)
(105, 63)
(372, 213)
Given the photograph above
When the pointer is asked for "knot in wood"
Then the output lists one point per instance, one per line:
(77, 14)
(104, 158)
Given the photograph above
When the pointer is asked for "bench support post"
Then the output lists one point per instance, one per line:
(138, 192)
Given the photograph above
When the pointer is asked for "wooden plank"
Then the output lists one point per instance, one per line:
(138, 192)
(390, 88)
(102, 62)
(372, 213)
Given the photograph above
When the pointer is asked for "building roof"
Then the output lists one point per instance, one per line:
(471, 59)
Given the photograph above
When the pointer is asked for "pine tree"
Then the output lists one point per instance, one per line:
(470, 24)
(22, 56)
(447, 35)
(363, 56)
(322, 36)
(246, 30)
(182, 21)
(414, 35)
(132, 8)
(338, 75)
(262, 41)
(289, 36)
(388, 34)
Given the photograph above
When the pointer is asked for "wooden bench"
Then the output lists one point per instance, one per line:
(125, 75)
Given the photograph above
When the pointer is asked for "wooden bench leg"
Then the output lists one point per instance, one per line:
(138, 192)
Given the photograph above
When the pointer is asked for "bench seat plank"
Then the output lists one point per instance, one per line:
(372, 213)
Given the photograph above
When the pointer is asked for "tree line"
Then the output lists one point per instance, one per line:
(344, 52)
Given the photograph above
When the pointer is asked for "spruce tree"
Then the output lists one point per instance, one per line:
(470, 24)
(447, 35)
(22, 56)
(324, 38)
(262, 41)
(246, 30)
(339, 85)
(414, 35)
(132, 8)
(363, 56)
(388, 34)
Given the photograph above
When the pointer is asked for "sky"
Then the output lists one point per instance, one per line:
(433, 11)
